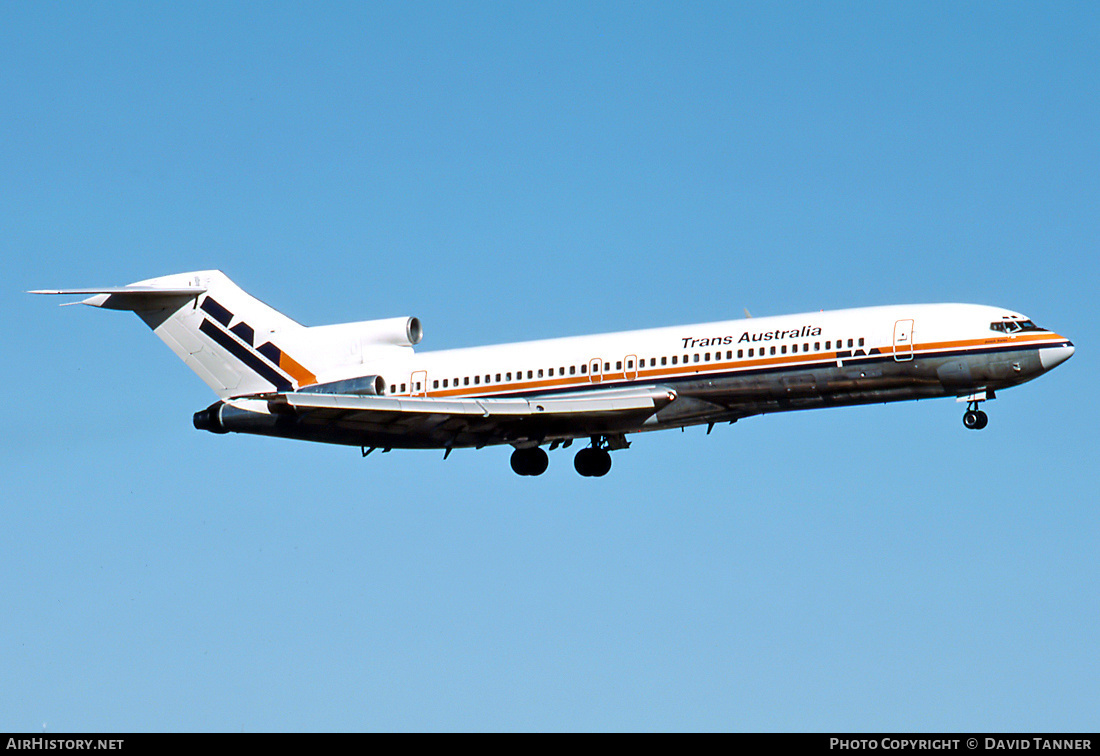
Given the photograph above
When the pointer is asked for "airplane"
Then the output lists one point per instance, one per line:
(363, 384)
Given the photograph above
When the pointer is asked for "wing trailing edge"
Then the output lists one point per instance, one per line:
(611, 401)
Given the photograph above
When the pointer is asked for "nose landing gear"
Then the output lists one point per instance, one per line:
(974, 418)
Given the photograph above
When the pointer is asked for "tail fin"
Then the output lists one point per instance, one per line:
(225, 335)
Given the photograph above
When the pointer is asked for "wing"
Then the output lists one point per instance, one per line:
(417, 422)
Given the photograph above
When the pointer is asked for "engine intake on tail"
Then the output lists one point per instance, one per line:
(403, 332)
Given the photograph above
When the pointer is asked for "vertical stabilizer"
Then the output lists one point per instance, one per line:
(228, 337)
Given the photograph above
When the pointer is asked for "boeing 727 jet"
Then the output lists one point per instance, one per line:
(363, 384)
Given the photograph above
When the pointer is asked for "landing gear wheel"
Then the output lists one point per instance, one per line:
(975, 419)
(592, 462)
(531, 461)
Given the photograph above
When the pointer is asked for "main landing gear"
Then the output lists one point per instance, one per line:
(531, 461)
(974, 418)
(591, 462)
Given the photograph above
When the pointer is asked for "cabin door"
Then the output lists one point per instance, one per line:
(595, 371)
(631, 370)
(418, 383)
(903, 340)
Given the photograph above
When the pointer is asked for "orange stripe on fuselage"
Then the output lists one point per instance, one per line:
(702, 368)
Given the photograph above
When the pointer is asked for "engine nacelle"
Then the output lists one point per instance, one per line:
(339, 349)
(366, 385)
(210, 419)
(405, 332)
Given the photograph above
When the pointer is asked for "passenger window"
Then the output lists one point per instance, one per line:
(740, 353)
(498, 377)
(584, 369)
(706, 357)
(606, 367)
(572, 370)
(477, 379)
(435, 384)
(828, 344)
(466, 381)
(619, 365)
(794, 347)
(784, 349)
(696, 357)
(817, 346)
(530, 374)
(849, 343)
(630, 364)
(773, 350)
(664, 361)
(507, 376)
(861, 342)
(673, 359)
(540, 372)
(444, 383)
(402, 388)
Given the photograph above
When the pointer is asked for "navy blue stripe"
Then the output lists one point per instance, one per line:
(216, 311)
(245, 332)
(984, 350)
(262, 368)
(270, 351)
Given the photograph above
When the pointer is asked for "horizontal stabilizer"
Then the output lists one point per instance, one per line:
(233, 341)
(188, 291)
(128, 297)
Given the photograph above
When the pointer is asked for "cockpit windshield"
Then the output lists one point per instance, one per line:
(1014, 325)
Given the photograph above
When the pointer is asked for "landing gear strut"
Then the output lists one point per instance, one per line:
(974, 418)
(531, 461)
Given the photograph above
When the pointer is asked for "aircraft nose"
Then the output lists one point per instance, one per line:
(1052, 357)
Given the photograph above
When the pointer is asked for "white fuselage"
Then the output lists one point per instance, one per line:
(891, 339)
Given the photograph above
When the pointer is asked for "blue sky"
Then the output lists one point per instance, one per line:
(508, 171)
